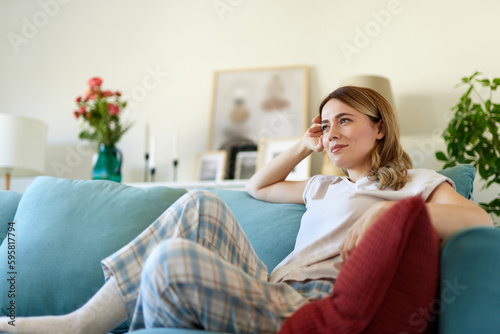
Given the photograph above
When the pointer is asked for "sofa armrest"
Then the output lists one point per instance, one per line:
(470, 292)
(8, 206)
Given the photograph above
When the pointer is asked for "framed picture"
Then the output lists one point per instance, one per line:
(233, 149)
(258, 103)
(270, 148)
(246, 165)
(210, 166)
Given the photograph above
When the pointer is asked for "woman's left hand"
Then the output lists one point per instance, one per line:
(362, 225)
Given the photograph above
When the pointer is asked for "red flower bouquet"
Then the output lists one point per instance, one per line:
(100, 111)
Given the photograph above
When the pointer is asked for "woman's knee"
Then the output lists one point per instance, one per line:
(161, 255)
(199, 195)
(199, 200)
(167, 262)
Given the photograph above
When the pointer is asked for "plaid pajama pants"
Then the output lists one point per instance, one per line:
(195, 268)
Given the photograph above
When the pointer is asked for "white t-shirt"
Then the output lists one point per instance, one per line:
(333, 205)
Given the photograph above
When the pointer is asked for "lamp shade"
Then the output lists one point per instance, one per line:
(22, 145)
(380, 84)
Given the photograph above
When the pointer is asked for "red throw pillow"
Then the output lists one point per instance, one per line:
(388, 284)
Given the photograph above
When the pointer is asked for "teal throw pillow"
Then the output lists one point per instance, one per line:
(64, 228)
(463, 176)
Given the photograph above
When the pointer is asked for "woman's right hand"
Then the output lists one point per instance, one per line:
(313, 137)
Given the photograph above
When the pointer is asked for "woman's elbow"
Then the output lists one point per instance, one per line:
(484, 219)
(478, 216)
(253, 190)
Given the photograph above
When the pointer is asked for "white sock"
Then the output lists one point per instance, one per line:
(103, 312)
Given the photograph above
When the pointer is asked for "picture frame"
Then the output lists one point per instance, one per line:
(210, 166)
(233, 150)
(272, 147)
(246, 164)
(251, 104)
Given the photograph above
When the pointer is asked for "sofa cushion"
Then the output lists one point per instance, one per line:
(64, 228)
(8, 206)
(463, 176)
(270, 227)
(388, 283)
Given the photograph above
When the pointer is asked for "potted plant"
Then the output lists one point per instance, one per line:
(100, 112)
(472, 136)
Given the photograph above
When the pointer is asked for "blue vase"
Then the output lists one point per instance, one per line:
(108, 164)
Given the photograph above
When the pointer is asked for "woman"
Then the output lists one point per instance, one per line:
(194, 267)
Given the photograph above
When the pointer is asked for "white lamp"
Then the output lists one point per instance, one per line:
(22, 146)
(380, 84)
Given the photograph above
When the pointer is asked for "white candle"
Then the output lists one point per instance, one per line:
(147, 139)
(175, 145)
(152, 154)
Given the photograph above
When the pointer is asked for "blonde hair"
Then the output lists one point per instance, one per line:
(390, 163)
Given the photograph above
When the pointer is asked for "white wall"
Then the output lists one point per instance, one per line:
(424, 47)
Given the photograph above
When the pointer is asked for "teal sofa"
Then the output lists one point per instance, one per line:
(60, 230)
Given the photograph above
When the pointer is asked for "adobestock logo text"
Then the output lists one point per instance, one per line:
(30, 28)
(363, 36)
(223, 6)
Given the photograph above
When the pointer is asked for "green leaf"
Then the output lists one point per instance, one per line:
(493, 206)
(487, 105)
(465, 98)
(484, 82)
(496, 81)
(469, 79)
(441, 156)
(474, 75)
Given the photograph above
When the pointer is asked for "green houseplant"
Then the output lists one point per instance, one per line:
(472, 135)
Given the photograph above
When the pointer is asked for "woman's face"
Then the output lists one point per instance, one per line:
(349, 137)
